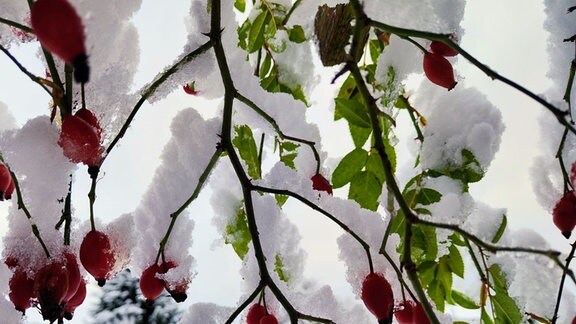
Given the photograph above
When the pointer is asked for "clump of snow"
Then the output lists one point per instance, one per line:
(401, 55)
(7, 121)
(207, 313)
(478, 128)
(484, 221)
(183, 160)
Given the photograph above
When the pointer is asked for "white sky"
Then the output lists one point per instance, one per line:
(510, 39)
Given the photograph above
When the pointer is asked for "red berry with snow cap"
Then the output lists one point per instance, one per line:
(321, 184)
(439, 70)
(59, 29)
(97, 256)
(378, 297)
(564, 214)
(80, 141)
(404, 312)
(151, 286)
(6, 183)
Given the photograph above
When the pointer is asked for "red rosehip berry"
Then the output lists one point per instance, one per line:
(420, 316)
(21, 290)
(91, 119)
(59, 29)
(97, 257)
(574, 320)
(76, 300)
(440, 48)
(404, 312)
(51, 287)
(190, 88)
(178, 289)
(151, 286)
(564, 214)
(321, 184)
(74, 276)
(439, 70)
(6, 183)
(378, 297)
(268, 319)
(80, 141)
(255, 314)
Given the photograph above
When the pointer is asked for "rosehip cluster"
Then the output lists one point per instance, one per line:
(258, 314)
(6, 182)
(437, 68)
(409, 313)
(80, 138)
(378, 297)
(152, 286)
(321, 184)
(59, 29)
(57, 288)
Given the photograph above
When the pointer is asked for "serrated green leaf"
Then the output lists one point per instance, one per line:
(422, 197)
(444, 275)
(424, 245)
(374, 165)
(281, 199)
(427, 272)
(296, 34)
(375, 46)
(455, 261)
(456, 239)
(463, 300)
(437, 294)
(353, 111)
(279, 269)
(257, 30)
(238, 234)
(359, 134)
(348, 167)
(288, 153)
(244, 142)
(240, 5)
(505, 309)
(501, 229)
(365, 190)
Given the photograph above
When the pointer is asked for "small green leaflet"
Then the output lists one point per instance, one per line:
(353, 111)
(359, 134)
(256, 33)
(240, 5)
(374, 165)
(505, 309)
(455, 261)
(500, 230)
(238, 234)
(348, 167)
(244, 142)
(288, 152)
(463, 300)
(365, 189)
(281, 199)
(296, 34)
(279, 269)
(437, 294)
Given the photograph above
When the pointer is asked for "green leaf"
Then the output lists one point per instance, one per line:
(256, 34)
(279, 269)
(244, 142)
(374, 165)
(463, 300)
(266, 66)
(437, 294)
(375, 46)
(243, 34)
(365, 190)
(427, 272)
(422, 196)
(281, 199)
(486, 319)
(348, 167)
(238, 234)
(455, 261)
(505, 309)
(500, 230)
(296, 34)
(240, 5)
(359, 134)
(288, 153)
(424, 245)
(353, 111)
(444, 275)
